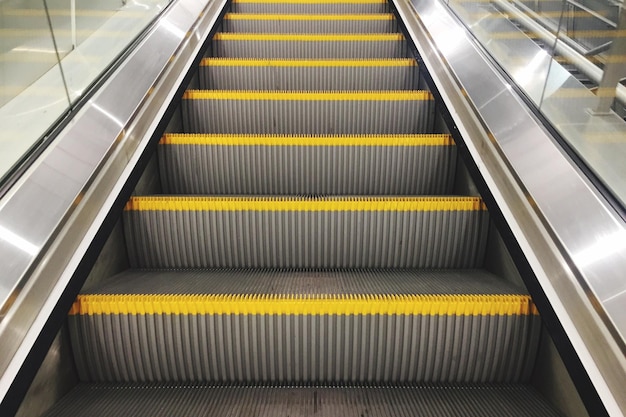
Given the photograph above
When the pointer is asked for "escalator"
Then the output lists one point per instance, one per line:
(312, 245)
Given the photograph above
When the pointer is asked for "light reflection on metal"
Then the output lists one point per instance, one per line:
(18, 241)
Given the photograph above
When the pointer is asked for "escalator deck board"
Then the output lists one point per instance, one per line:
(96, 400)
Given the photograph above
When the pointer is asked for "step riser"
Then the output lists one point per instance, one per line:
(308, 117)
(310, 26)
(289, 349)
(330, 8)
(309, 78)
(309, 49)
(341, 239)
(307, 170)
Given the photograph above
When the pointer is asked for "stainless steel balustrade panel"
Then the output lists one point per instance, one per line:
(308, 117)
(282, 170)
(310, 26)
(309, 78)
(102, 400)
(199, 239)
(313, 8)
(310, 49)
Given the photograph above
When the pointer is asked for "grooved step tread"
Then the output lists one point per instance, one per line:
(306, 140)
(259, 62)
(106, 400)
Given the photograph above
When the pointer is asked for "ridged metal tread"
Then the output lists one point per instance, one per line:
(298, 113)
(105, 400)
(310, 7)
(312, 49)
(313, 24)
(306, 75)
(338, 238)
(462, 326)
(305, 282)
(297, 165)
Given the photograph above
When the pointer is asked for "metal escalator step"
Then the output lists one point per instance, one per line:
(106, 400)
(308, 113)
(310, 6)
(317, 46)
(302, 75)
(204, 232)
(307, 165)
(304, 327)
(309, 23)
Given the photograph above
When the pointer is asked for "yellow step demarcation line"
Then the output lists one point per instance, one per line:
(312, 1)
(306, 140)
(309, 37)
(246, 62)
(347, 304)
(391, 204)
(309, 17)
(385, 95)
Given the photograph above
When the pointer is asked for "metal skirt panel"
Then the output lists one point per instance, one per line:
(285, 349)
(313, 8)
(319, 117)
(310, 26)
(311, 78)
(307, 170)
(281, 239)
(309, 49)
(104, 400)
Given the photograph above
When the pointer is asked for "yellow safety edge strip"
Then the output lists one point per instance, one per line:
(312, 1)
(385, 95)
(305, 37)
(308, 17)
(395, 204)
(348, 304)
(306, 140)
(244, 62)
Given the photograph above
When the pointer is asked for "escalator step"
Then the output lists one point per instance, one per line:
(316, 46)
(301, 75)
(308, 113)
(310, 6)
(102, 400)
(293, 232)
(309, 23)
(310, 326)
(307, 165)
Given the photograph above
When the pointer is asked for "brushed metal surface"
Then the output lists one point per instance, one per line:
(559, 219)
(56, 188)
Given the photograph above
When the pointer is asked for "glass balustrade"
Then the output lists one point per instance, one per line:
(569, 58)
(51, 53)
